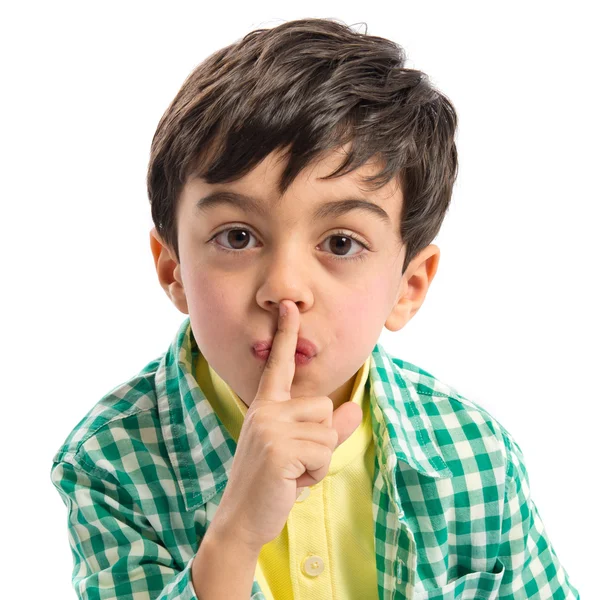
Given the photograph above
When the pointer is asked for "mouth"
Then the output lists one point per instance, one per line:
(299, 359)
(305, 351)
(303, 346)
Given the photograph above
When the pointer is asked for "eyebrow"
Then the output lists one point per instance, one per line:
(334, 208)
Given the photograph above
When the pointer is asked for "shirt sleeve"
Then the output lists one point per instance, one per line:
(532, 568)
(116, 554)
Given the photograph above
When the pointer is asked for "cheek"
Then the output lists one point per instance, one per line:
(358, 318)
(212, 309)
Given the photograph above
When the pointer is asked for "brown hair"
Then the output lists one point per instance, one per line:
(310, 85)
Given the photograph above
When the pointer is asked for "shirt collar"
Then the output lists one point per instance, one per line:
(201, 449)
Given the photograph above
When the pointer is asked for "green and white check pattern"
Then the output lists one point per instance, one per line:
(142, 475)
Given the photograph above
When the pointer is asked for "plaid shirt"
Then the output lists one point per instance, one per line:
(143, 472)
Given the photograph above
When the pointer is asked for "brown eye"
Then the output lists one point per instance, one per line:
(238, 238)
(342, 242)
(339, 247)
(234, 239)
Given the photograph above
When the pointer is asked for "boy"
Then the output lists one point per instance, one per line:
(268, 456)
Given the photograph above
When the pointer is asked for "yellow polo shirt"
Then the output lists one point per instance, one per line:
(326, 549)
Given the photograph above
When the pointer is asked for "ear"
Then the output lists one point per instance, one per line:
(168, 271)
(413, 287)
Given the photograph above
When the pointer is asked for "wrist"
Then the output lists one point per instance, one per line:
(233, 538)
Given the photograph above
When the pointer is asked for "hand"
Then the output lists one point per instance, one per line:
(285, 443)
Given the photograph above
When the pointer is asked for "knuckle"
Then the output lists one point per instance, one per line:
(251, 417)
(333, 438)
(327, 401)
(259, 422)
(260, 410)
(262, 430)
(326, 454)
(270, 449)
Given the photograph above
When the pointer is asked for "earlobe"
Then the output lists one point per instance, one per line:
(400, 315)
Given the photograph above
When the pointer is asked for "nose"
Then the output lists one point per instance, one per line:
(283, 279)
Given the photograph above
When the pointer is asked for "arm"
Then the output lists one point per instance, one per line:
(116, 555)
(223, 568)
(532, 567)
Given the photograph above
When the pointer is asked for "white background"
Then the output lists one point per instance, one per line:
(510, 320)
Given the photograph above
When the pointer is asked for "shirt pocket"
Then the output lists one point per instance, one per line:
(479, 585)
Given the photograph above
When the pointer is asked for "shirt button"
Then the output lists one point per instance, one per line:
(313, 565)
(303, 495)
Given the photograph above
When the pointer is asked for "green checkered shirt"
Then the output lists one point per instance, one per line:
(143, 472)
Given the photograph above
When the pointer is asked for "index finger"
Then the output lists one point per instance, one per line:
(276, 380)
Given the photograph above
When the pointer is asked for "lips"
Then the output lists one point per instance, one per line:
(303, 346)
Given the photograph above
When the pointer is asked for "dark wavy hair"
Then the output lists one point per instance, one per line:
(309, 86)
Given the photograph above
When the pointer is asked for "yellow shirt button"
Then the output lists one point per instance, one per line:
(313, 565)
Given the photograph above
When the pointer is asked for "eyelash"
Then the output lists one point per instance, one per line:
(360, 256)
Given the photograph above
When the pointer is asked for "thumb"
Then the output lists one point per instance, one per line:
(345, 420)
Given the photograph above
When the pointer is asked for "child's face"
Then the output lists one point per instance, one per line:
(232, 297)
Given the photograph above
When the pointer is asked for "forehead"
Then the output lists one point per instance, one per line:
(257, 192)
